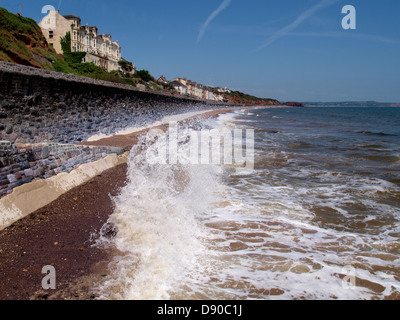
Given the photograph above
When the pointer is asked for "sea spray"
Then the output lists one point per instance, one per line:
(157, 217)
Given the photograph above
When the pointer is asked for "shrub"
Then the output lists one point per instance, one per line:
(145, 75)
(126, 66)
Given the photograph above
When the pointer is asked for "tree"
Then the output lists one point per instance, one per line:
(145, 75)
(66, 43)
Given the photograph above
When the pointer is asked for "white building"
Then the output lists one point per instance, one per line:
(100, 48)
(223, 90)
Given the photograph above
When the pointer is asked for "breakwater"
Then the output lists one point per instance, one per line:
(43, 114)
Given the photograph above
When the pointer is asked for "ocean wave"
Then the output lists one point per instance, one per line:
(381, 134)
(157, 217)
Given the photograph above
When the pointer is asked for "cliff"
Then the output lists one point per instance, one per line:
(22, 42)
(238, 97)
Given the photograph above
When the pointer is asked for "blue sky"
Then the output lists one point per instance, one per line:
(287, 49)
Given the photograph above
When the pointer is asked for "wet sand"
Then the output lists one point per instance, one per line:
(62, 234)
(59, 235)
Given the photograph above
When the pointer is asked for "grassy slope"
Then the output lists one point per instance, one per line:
(242, 98)
(22, 42)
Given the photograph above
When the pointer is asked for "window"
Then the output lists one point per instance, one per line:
(51, 34)
(74, 35)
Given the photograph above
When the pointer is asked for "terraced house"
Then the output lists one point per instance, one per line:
(100, 48)
(201, 91)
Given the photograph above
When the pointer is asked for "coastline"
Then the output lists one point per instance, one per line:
(62, 233)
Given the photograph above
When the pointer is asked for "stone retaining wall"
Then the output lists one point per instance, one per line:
(38, 105)
(20, 166)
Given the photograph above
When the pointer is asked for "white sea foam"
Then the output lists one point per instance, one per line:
(159, 231)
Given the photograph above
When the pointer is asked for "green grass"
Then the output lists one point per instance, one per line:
(62, 66)
(21, 39)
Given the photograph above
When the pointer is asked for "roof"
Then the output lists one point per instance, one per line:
(70, 16)
(177, 84)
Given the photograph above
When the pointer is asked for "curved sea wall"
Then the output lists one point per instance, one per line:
(43, 114)
(38, 105)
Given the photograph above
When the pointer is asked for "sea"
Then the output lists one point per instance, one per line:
(317, 217)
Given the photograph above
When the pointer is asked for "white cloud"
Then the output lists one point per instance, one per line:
(212, 16)
(299, 20)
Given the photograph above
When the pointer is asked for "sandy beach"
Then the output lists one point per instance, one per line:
(62, 234)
